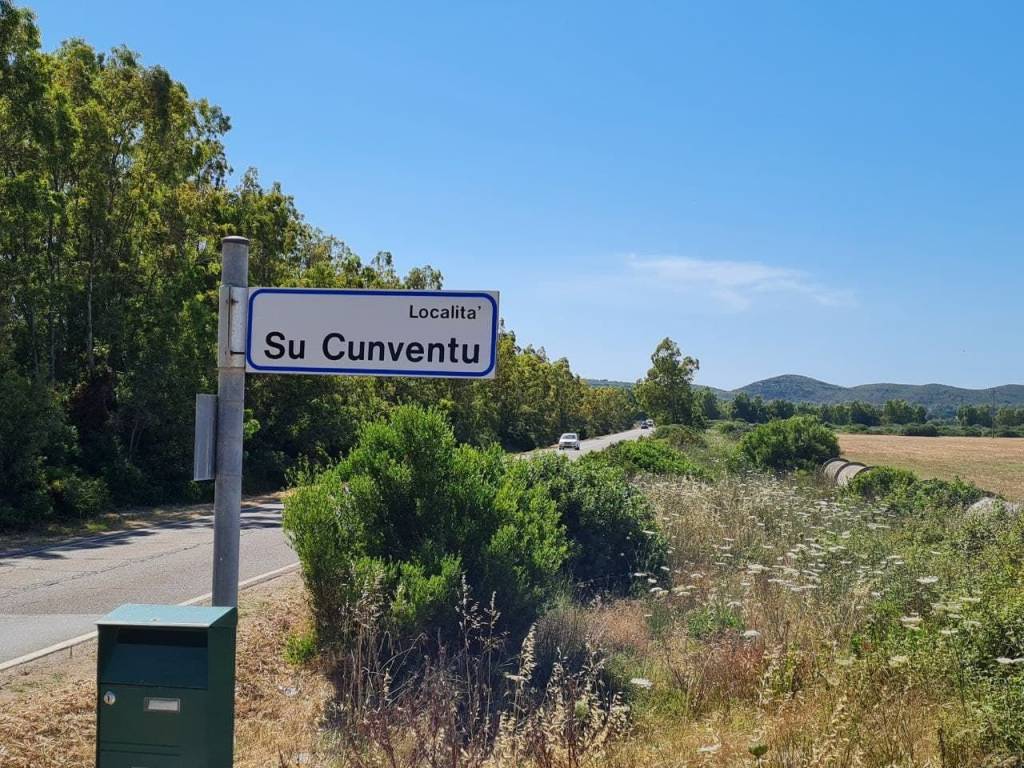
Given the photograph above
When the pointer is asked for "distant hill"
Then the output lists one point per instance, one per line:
(609, 383)
(722, 393)
(941, 400)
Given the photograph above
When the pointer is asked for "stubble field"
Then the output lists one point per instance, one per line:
(993, 463)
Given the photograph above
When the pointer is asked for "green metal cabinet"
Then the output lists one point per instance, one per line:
(166, 687)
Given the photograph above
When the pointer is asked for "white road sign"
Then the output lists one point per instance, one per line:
(345, 332)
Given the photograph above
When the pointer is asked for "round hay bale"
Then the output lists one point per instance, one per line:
(831, 468)
(850, 471)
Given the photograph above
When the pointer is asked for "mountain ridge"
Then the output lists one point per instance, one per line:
(941, 400)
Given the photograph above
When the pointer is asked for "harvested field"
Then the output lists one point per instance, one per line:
(993, 463)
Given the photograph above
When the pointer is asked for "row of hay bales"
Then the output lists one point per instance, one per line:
(840, 471)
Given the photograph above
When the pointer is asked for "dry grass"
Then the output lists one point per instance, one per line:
(767, 569)
(47, 709)
(993, 463)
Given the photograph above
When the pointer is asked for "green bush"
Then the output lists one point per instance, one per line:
(880, 483)
(610, 524)
(645, 456)
(920, 430)
(78, 496)
(409, 514)
(300, 648)
(799, 442)
(947, 494)
(32, 430)
(902, 491)
(733, 428)
(680, 436)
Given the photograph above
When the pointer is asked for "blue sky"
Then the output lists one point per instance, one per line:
(832, 189)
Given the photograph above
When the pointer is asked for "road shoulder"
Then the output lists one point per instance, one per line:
(47, 708)
(113, 523)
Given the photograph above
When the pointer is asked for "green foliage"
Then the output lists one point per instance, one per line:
(939, 400)
(745, 408)
(976, 415)
(646, 455)
(920, 430)
(1010, 417)
(800, 442)
(732, 428)
(411, 513)
(707, 404)
(610, 525)
(113, 196)
(712, 619)
(607, 409)
(902, 491)
(680, 436)
(881, 483)
(32, 430)
(666, 393)
(902, 412)
(300, 648)
(781, 409)
(78, 496)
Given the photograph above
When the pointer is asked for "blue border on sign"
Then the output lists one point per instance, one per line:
(373, 371)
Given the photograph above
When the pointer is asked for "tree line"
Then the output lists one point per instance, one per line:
(756, 410)
(114, 193)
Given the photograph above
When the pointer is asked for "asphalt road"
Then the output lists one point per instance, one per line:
(600, 443)
(53, 594)
(56, 593)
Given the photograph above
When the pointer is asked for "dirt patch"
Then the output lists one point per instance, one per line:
(993, 463)
(47, 708)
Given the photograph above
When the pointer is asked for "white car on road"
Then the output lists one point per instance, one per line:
(569, 440)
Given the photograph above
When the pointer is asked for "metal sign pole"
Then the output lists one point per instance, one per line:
(227, 498)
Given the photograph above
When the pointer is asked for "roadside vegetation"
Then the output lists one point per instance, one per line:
(707, 606)
(702, 604)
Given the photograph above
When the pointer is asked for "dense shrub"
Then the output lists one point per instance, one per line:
(902, 491)
(680, 436)
(646, 455)
(78, 496)
(800, 442)
(733, 428)
(410, 514)
(610, 524)
(32, 430)
(881, 483)
(920, 430)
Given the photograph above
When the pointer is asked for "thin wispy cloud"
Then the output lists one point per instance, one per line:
(735, 284)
